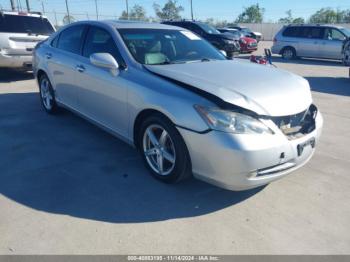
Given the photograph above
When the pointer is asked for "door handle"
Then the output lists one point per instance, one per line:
(48, 55)
(80, 68)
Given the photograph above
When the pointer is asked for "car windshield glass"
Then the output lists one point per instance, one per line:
(208, 29)
(25, 24)
(345, 31)
(160, 46)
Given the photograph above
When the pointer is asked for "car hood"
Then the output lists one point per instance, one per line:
(259, 88)
(229, 36)
(222, 36)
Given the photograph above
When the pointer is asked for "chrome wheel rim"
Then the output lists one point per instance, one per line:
(159, 150)
(45, 93)
(288, 54)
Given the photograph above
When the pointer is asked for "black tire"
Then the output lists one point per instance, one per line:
(289, 53)
(182, 168)
(53, 108)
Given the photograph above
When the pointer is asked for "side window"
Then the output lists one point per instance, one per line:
(304, 32)
(71, 38)
(333, 34)
(196, 29)
(316, 33)
(291, 32)
(99, 40)
(54, 42)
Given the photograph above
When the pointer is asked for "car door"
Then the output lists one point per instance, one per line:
(103, 95)
(310, 41)
(61, 59)
(332, 43)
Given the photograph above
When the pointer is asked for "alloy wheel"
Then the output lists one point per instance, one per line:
(45, 93)
(159, 150)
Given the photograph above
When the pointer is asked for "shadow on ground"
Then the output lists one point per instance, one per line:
(64, 165)
(10, 75)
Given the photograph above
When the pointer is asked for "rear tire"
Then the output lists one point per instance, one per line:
(47, 95)
(289, 53)
(163, 150)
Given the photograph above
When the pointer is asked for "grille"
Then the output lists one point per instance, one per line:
(298, 125)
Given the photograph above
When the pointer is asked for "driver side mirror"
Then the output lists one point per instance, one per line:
(105, 60)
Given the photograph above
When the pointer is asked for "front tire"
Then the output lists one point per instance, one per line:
(47, 95)
(163, 150)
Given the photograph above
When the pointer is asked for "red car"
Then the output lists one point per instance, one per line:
(248, 44)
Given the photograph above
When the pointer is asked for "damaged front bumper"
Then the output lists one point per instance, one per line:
(244, 161)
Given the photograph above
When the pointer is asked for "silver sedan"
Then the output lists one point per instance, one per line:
(188, 109)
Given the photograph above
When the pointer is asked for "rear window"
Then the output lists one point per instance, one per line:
(25, 24)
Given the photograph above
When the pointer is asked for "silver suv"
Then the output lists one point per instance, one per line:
(19, 34)
(317, 41)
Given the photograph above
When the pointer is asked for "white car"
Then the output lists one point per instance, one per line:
(19, 34)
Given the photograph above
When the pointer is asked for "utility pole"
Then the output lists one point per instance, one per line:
(42, 6)
(28, 7)
(127, 9)
(191, 10)
(96, 9)
(67, 11)
(13, 6)
(54, 12)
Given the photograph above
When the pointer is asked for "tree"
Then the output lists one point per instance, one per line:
(251, 14)
(327, 16)
(137, 12)
(171, 10)
(68, 19)
(290, 20)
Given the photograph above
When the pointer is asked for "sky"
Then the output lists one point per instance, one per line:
(217, 9)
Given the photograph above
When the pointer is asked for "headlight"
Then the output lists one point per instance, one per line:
(243, 41)
(232, 122)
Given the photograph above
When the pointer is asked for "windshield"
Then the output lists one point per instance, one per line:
(208, 29)
(25, 24)
(345, 31)
(159, 46)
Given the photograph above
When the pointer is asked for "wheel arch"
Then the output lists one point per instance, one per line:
(141, 116)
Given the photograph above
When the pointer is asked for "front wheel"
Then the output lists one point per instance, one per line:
(164, 150)
(47, 95)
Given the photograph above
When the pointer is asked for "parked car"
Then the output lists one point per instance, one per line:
(227, 43)
(316, 41)
(247, 44)
(19, 34)
(184, 105)
(249, 33)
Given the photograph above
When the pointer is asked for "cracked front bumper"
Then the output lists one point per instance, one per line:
(240, 162)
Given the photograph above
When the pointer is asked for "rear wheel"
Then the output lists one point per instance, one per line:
(47, 95)
(164, 150)
(288, 53)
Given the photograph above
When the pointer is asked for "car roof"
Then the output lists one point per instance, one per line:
(315, 25)
(127, 24)
(31, 14)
